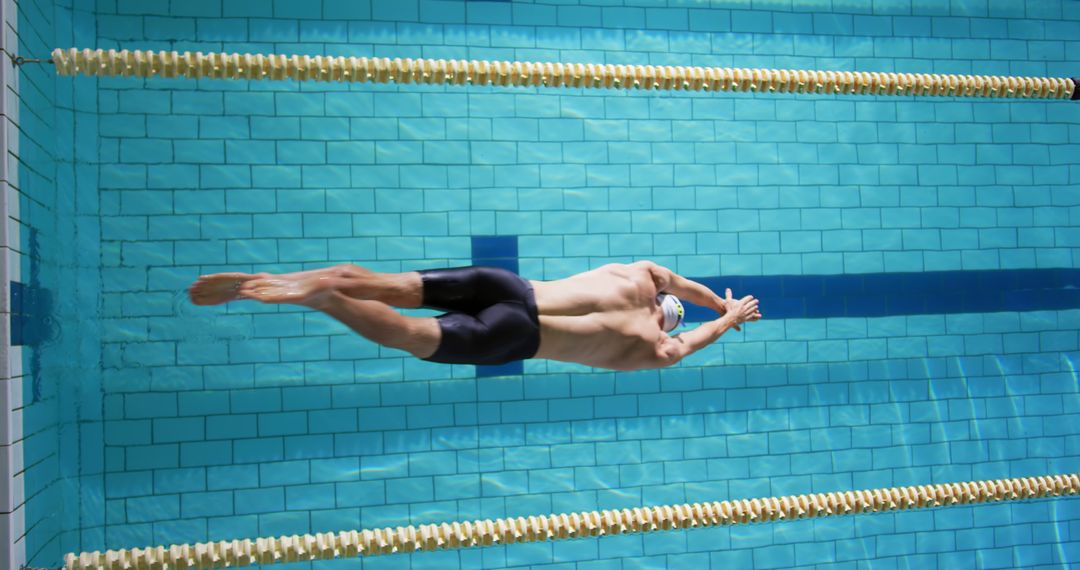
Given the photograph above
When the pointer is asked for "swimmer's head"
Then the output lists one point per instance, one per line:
(672, 309)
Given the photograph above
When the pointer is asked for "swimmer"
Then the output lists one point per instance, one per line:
(618, 316)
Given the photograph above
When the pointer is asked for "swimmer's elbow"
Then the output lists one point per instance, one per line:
(669, 354)
(669, 362)
(661, 276)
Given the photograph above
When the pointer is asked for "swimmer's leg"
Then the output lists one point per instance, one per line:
(397, 289)
(219, 288)
(374, 320)
(379, 323)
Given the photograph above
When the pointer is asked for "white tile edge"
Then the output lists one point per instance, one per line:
(12, 520)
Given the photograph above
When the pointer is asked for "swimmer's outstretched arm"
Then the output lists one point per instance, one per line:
(679, 346)
(667, 281)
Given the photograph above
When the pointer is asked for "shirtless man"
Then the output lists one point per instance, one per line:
(616, 316)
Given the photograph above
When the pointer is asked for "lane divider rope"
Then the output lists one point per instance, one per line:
(329, 545)
(197, 65)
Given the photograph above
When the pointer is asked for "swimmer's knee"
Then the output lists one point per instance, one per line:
(420, 336)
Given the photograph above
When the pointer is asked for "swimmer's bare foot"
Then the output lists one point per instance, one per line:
(220, 287)
(306, 289)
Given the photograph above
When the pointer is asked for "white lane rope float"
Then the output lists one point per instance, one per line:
(198, 65)
(430, 537)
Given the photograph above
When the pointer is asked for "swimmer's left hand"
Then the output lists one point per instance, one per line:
(744, 309)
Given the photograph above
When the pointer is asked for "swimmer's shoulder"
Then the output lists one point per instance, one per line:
(624, 269)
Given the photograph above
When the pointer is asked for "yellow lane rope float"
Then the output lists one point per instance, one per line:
(324, 546)
(197, 65)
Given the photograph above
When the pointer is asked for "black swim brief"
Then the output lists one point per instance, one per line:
(491, 315)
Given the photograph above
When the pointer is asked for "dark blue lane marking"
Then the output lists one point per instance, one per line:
(497, 251)
(893, 294)
(31, 314)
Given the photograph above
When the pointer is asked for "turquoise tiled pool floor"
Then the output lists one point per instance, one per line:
(916, 260)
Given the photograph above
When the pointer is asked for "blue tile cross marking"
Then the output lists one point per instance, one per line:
(497, 251)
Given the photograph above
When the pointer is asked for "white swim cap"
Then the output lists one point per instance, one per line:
(673, 310)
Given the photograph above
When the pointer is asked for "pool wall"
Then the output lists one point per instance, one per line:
(253, 420)
(51, 285)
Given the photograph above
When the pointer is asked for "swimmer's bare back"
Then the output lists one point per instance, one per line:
(609, 317)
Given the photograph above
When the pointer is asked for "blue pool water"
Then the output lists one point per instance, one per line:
(918, 262)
